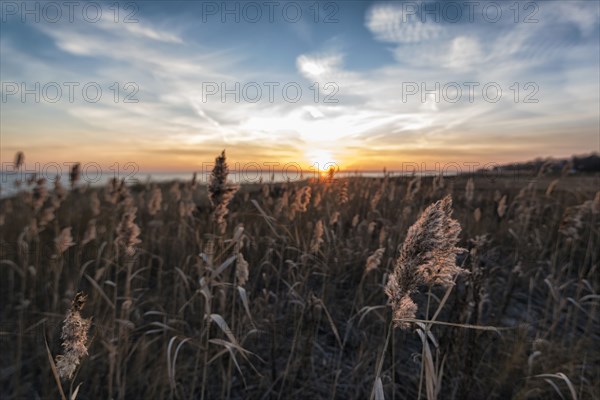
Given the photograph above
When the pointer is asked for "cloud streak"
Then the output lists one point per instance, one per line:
(171, 63)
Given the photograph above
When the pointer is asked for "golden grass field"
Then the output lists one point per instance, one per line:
(281, 290)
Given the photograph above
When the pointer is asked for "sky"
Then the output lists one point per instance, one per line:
(364, 85)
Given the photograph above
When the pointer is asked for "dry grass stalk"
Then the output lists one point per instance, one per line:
(596, 204)
(19, 159)
(128, 232)
(477, 214)
(317, 238)
(374, 260)
(155, 202)
(220, 192)
(427, 257)
(551, 187)
(545, 168)
(90, 232)
(194, 182)
(74, 336)
(46, 216)
(94, 204)
(316, 199)
(438, 182)
(111, 191)
(281, 204)
(377, 197)
(75, 175)
(31, 179)
(573, 218)
(40, 194)
(502, 207)
(470, 190)
(343, 193)
(64, 240)
(241, 269)
(300, 203)
(60, 193)
(175, 192)
(383, 234)
(371, 227)
(413, 187)
(335, 217)
(497, 195)
(185, 208)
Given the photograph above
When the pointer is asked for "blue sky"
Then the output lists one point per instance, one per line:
(374, 59)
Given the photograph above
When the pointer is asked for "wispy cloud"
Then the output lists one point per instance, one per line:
(170, 61)
(390, 23)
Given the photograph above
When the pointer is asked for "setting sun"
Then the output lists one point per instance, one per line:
(321, 160)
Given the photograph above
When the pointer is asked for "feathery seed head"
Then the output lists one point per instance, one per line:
(374, 260)
(427, 256)
(75, 174)
(74, 336)
(470, 190)
(64, 240)
(128, 232)
(220, 192)
(19, 159)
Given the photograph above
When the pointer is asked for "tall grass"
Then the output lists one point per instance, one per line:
(278, 291)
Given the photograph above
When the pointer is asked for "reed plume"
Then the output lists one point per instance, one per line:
(74, 336)
(376, 197)
(374, 260)
(470, 190)
(477, 214)
(155, 201)
(427, 257)
(220, 192)
(551, 187)
(40, 194)
(502, 206)
(265, 191)
(343, 194)
(19, 159)
(175, 192)
(194, 182)
(94, 204)
(241, 269)
(185, 208)
(335, 217)
(317, 238)
(128, 232)
(316, 199)
(75, 175)
(300, 203)
(413, 187)
(111, 191)
(573, 218)
(64, 240)
(60, 194)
